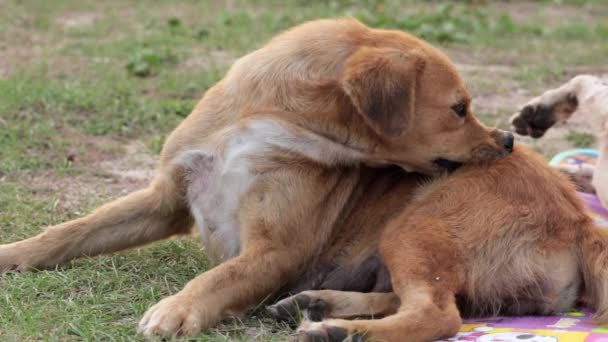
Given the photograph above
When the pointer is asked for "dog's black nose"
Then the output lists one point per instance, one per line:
(507, 141)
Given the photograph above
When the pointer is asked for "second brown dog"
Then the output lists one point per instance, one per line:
(510, 237)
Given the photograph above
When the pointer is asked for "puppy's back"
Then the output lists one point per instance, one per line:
(517, 223)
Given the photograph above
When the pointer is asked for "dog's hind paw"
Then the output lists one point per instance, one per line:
(299, 306)
(11, 261)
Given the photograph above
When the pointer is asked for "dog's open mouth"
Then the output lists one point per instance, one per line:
(446, 164)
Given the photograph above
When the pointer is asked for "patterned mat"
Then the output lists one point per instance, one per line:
(568, 327)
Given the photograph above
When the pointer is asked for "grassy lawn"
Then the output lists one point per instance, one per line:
(89, 90)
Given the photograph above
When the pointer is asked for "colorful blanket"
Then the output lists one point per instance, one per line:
(578, 157)
(568, 327)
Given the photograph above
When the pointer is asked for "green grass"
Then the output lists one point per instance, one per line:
(89, 78)
(580, 139)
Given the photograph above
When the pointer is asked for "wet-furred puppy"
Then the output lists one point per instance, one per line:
(509, 237)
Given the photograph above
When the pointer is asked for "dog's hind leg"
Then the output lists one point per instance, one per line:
(316, 305)
(144, 216)
(423, 316)
(425, 267)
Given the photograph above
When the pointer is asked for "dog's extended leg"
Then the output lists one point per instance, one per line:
(143, 216)
(423, 317)
(283, 225)
(232, 286)
(316, 305)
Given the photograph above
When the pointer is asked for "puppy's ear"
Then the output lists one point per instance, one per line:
(381, 84)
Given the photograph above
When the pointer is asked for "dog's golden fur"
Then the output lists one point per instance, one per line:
(510, 237)
(269, 165)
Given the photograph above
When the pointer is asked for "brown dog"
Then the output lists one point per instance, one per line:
(509, 237)
(266, 164)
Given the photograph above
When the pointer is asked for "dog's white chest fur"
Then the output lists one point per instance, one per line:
(219, 174)
(218, 179)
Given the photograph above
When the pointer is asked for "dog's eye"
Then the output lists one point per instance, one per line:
(460, 109)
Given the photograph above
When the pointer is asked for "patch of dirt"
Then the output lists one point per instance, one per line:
(10, 57)
(109, 169)
(206, 59)
(134, 169)
(77, 20)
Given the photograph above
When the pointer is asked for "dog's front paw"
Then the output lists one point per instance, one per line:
(178, 315)
(326, 331)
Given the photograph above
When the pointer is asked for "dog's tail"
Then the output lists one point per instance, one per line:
(594, 264)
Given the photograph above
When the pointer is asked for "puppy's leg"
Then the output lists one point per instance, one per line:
(552, 107)
(423, 317)
(316, 305)
(581, 175)
(426, 267)
(151, 214)
(600, 176)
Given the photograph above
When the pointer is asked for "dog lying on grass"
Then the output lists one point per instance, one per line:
(270, 166)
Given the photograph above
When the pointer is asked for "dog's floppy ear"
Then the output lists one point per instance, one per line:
(381, 84)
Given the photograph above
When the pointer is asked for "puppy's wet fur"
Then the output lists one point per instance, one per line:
(506, 238)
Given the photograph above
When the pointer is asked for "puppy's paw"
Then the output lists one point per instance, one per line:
(178, 315)
(293, 308)
(533, 120)
(541, 113)
(326, 331)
